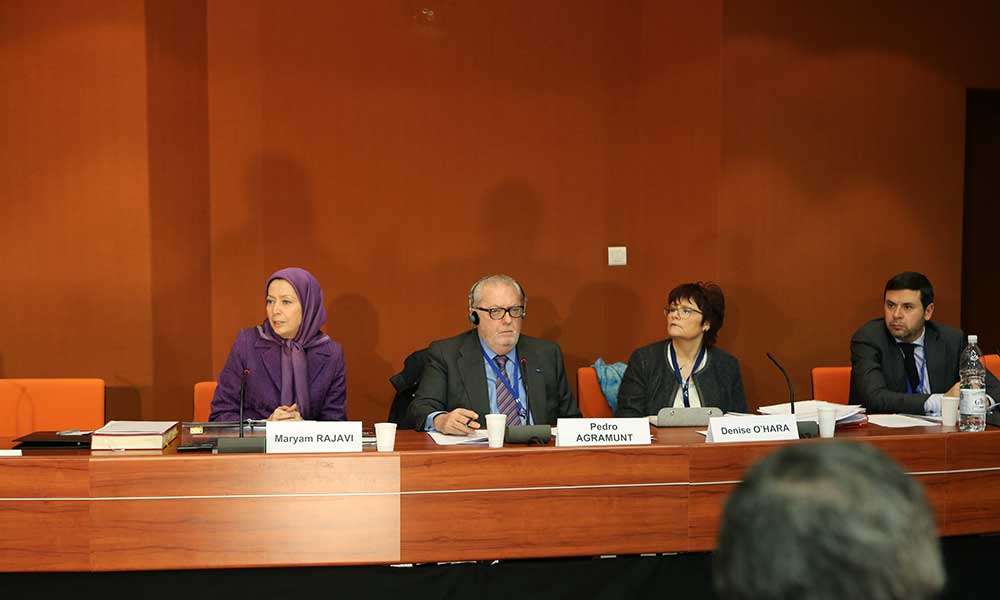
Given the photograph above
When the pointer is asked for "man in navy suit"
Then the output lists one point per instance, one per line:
(904, 362)
(492, 368)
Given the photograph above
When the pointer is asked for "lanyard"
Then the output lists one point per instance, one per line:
(514, 389)
(920, 372)
(677, 371)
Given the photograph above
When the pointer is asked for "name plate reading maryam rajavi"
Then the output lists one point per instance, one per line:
(752, 428)
(602, 432)
(290, 437)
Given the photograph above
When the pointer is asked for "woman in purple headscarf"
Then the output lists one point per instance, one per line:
(293, 370)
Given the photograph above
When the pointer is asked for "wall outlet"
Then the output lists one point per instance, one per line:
(617, 256)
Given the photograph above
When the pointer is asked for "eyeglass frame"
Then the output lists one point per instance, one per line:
(505, 311)
(683, 312)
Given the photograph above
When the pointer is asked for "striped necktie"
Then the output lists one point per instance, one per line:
(505, 400)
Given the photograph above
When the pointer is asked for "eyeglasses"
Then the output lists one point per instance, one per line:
(681, 311)
(497, 313)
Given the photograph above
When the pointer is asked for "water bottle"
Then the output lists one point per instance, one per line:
(972, 390)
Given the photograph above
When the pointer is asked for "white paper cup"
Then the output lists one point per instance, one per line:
(827, 421)
(496, 427)
(949, 411)
(385, 436)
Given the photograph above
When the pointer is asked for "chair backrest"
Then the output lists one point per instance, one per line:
(204, 391)
(992, 364)
(832, 384)
(29, 405)
(593, 404)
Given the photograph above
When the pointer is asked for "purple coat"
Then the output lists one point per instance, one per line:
(327, 380)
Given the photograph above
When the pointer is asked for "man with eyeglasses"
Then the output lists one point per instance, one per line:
(492, 368)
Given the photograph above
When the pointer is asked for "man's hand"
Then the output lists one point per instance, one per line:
(460, 421)
(953, 392)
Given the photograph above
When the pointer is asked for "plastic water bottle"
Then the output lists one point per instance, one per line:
(972, 390)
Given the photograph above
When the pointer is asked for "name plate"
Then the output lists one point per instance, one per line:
(603, 432)
(752, 428)
(290, 437)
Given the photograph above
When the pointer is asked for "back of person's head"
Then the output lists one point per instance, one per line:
(910, 280)
(828, 520)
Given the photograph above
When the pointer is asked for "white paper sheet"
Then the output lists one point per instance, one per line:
(808, 410)
(476, 437)
(898, 421)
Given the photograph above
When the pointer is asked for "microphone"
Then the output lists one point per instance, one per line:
(229, 445)
(807, 429)
(243, 397)
(524, 378)
(528, 434)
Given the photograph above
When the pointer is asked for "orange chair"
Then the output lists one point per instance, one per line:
(203, 393)
(992, 364)
(832, 384)
(29, 405)
(593, 404)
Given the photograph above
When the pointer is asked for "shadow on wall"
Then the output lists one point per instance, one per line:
(741, 336)
(353, 322)
(125, 403)
(923, 32)
(603, 317)
(509, 217)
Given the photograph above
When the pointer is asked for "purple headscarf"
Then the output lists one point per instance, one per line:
(294, 372)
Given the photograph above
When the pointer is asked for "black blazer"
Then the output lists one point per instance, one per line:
(455, 377)
(878, 378)
(649, 383)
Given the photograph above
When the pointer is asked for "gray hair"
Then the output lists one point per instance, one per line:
(827, 520)
(474, 292)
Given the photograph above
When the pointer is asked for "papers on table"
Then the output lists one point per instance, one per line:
(476, 437)
(808, 410)
(896, 421)
(15, 452)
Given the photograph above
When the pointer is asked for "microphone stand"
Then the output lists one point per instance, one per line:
(807, 429)
(242, 444)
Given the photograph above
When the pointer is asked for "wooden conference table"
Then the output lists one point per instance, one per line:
(424, 503)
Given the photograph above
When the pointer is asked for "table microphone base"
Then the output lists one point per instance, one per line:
(231, 445)
(808, 429)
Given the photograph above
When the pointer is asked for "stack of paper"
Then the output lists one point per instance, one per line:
(808, 410)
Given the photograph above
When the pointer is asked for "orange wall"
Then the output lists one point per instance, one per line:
(843, 133)
(74, 211)
(158, 177)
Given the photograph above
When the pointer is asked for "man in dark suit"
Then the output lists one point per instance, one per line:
(904, 363)
(492, 368)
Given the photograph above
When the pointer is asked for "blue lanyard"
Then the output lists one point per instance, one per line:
(920, 372)
(677, 371)
(514, 390)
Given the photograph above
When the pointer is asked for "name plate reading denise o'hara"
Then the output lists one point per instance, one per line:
(603, 432)
(752, 428)
(290, 437)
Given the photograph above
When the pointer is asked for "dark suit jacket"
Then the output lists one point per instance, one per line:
(327, 381)
(649, 384)
(878, 381)
(455, 377)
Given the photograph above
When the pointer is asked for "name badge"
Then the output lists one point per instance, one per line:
(752, 428)
(290, 437)
(603, 432)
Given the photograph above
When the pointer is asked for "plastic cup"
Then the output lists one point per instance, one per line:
(385, 436)
(827, 421)
(949, 411)
(496, 426)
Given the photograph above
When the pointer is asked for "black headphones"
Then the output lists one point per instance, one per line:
(474, 315)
